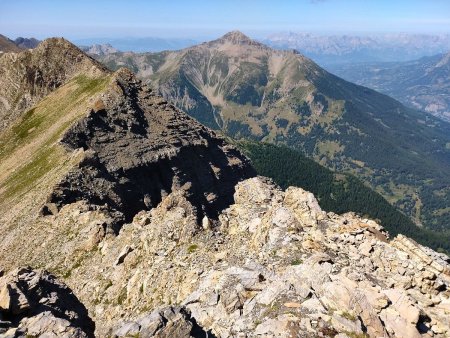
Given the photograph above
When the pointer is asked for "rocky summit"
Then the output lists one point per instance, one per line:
(121, 216)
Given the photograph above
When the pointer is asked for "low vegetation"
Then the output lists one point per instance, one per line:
(30, 146)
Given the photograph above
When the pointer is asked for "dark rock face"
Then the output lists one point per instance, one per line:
(139, 148)
(33, 303)
(168, 322)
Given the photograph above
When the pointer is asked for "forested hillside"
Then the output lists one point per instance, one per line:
(336, 192)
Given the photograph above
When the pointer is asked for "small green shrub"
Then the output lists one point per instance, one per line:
(191, 248)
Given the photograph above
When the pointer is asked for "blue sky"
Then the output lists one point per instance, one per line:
(204, 19)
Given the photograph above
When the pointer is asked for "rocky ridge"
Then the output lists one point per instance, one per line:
(157, 233)
(278, 265)
(138, 148)
(28, 76)
(125, 154)
(275, 265)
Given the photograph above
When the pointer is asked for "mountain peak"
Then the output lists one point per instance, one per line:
(59, 43)
(33, 74)
(237, 38)
(26, 43)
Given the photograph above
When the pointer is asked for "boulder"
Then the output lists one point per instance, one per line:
(35, 303)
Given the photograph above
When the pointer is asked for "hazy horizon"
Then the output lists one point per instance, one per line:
(202, 20)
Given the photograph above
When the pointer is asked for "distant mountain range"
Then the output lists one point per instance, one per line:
(97, 49)
(26, 43)
(423, 84)
(335, 49)
(8, 45)
(249, 90)
(146, 44)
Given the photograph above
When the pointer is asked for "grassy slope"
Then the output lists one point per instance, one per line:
(31, 160)
(336, 192)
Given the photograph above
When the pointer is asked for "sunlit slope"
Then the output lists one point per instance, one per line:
(31, 159)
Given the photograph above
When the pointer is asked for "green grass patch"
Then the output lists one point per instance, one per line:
(28, 124)
(38, 131)
(191, 248)
(51, 110)
(24, 178)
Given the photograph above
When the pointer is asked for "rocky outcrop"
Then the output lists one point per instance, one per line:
(328, 274)
(165, 323)
(35, 304)
(138, 148)
(28, 76)
(274, 265)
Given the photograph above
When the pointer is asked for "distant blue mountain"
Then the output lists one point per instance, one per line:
(148, 44)
(337, 49)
